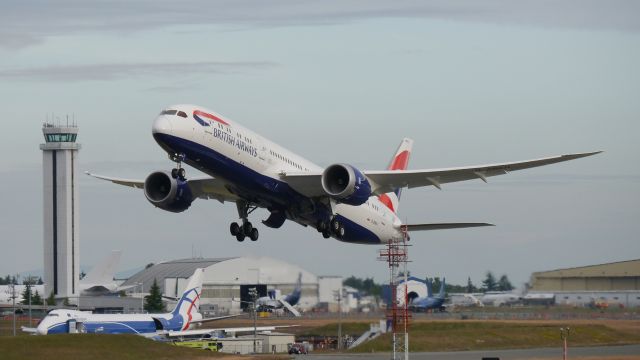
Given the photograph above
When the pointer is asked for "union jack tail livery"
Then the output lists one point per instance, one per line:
(399, 161)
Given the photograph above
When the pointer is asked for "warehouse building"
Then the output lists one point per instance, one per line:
(615, 283)
(227, 281)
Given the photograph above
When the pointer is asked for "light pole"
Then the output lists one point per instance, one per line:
(564, 334)
(253, 293)
(141, 296)
(338, 296)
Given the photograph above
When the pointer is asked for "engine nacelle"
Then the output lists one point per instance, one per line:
(346, 184)
(167, 193)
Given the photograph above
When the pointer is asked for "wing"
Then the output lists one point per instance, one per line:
(226, 330)
(387, 180)
(442, 226)
(290, 308)
(203, 188)
(201, 321)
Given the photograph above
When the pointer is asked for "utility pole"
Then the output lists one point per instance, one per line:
(253, 293)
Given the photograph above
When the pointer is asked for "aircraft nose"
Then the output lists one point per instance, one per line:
(162, 124)
(41, 330)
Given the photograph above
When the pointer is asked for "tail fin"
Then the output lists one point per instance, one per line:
(190, 300)
(442, 288)
(399, 162)
(104, 272)
(294, 297)
(429, 288)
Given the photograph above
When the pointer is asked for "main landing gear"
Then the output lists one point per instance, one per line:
(247, 229)
(334, 227)
(178, 172)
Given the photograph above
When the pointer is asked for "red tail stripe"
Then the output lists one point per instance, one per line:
(385, 199)
(400, 162)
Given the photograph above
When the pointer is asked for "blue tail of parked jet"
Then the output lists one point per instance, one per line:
(294, 297)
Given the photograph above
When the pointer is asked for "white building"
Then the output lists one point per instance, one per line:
(227, 280)
(60, 211)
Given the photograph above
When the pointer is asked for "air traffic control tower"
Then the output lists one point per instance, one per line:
(60, 211)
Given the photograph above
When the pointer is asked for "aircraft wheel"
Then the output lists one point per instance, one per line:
(335, 225)
(246, 228)
(174, 173)
(240, 237)
(234, 228)
(321, 226)
(326, 234)
(254, 234)
(182, 174)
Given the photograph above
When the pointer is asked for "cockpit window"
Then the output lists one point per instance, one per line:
(182, 113)
(169, 112)
(50, 314)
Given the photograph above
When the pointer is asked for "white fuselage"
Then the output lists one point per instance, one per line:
(242, 150)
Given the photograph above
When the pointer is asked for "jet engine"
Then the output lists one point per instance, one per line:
(168, 193)
(346, 184)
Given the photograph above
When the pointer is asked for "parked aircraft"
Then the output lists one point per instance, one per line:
(185, 315)
(273, 302)
(500, 298)
(100, 280)
(340, 201)
(431, 301)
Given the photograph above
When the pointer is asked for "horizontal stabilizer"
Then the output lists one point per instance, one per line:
(442, 226)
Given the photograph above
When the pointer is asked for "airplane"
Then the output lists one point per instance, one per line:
(185, 315)
(99, 281)
(500, 298)
(271, 302)
(340, 201)
(430, 301)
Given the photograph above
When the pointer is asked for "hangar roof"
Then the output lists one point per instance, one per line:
(615, 269)
(182, 268)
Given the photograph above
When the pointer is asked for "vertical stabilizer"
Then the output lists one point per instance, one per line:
(189, 303)
(294, 297)
(104, 272)
(429, 287)
(399, 161)
(442, 288)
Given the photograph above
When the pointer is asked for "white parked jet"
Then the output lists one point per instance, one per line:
(184, 316)
(340, 201)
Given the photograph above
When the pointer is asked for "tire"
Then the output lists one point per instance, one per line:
(246, 228)
(326, 234)
(174, 173)
(254, 234)
(321, 226)
(335, 225)
(182, 173)
(234, 228)
(240, 237)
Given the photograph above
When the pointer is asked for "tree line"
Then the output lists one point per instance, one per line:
(490, 283)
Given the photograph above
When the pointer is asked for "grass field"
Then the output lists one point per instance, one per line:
(425, 335)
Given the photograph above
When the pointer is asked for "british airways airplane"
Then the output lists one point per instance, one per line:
(340, 201)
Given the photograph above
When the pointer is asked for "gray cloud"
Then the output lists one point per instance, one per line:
(99, 72)
(34, 20)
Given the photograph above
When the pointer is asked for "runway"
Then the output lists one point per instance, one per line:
(520, 354)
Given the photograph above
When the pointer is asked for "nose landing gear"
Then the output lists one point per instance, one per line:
(178, 172)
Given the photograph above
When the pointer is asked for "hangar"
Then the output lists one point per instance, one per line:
(227, 280)
(616, 283)
(622, 275)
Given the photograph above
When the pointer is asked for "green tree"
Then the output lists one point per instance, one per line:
(26, 294)
(489, 283)
(470, 287)
(153, 302)
(40, 282)
(36, 299)
(51, 300)
(504, 284)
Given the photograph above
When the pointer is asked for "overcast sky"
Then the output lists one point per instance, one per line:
(337, 81)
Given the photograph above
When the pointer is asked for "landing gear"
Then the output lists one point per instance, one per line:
(178, 172)
(337, 228)
(246, 229)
